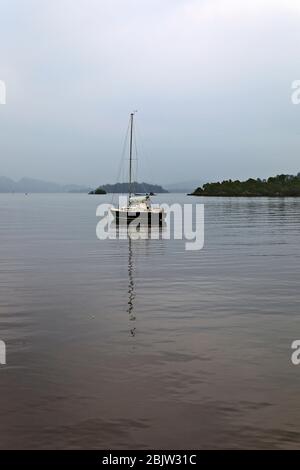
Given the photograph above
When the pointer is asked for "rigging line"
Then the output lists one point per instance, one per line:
(138, 133)
(136, 155)
(121, 163)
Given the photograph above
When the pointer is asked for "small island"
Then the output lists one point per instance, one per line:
(124, 187)
(98, 191)
(276, 186)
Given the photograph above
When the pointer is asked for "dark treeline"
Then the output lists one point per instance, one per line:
(277, 186)
(135, 188)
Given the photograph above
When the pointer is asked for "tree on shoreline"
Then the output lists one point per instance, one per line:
(275, 186)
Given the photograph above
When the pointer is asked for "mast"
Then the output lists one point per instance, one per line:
(130, 156)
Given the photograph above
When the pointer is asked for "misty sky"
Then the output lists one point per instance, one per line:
(211, 80)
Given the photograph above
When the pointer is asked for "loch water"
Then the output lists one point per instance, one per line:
(128, 344)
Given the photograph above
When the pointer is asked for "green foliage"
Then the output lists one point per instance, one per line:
(277, 186)
(135, 188)
(98, 191)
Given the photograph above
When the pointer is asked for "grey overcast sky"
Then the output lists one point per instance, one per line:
(211, 80)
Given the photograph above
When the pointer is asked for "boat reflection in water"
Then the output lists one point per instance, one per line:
(134, 235)
(131, 291)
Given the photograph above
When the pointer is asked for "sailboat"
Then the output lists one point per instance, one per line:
(138, 206)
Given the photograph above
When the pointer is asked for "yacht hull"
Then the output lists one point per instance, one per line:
(149, 218)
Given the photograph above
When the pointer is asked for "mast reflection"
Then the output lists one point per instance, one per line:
(134, 235)
(131, 291)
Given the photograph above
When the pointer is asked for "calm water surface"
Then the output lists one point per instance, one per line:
(112, 344)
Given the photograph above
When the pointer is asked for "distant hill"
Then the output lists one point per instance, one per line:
(29, 185)
(135, 188)
(276, 186)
